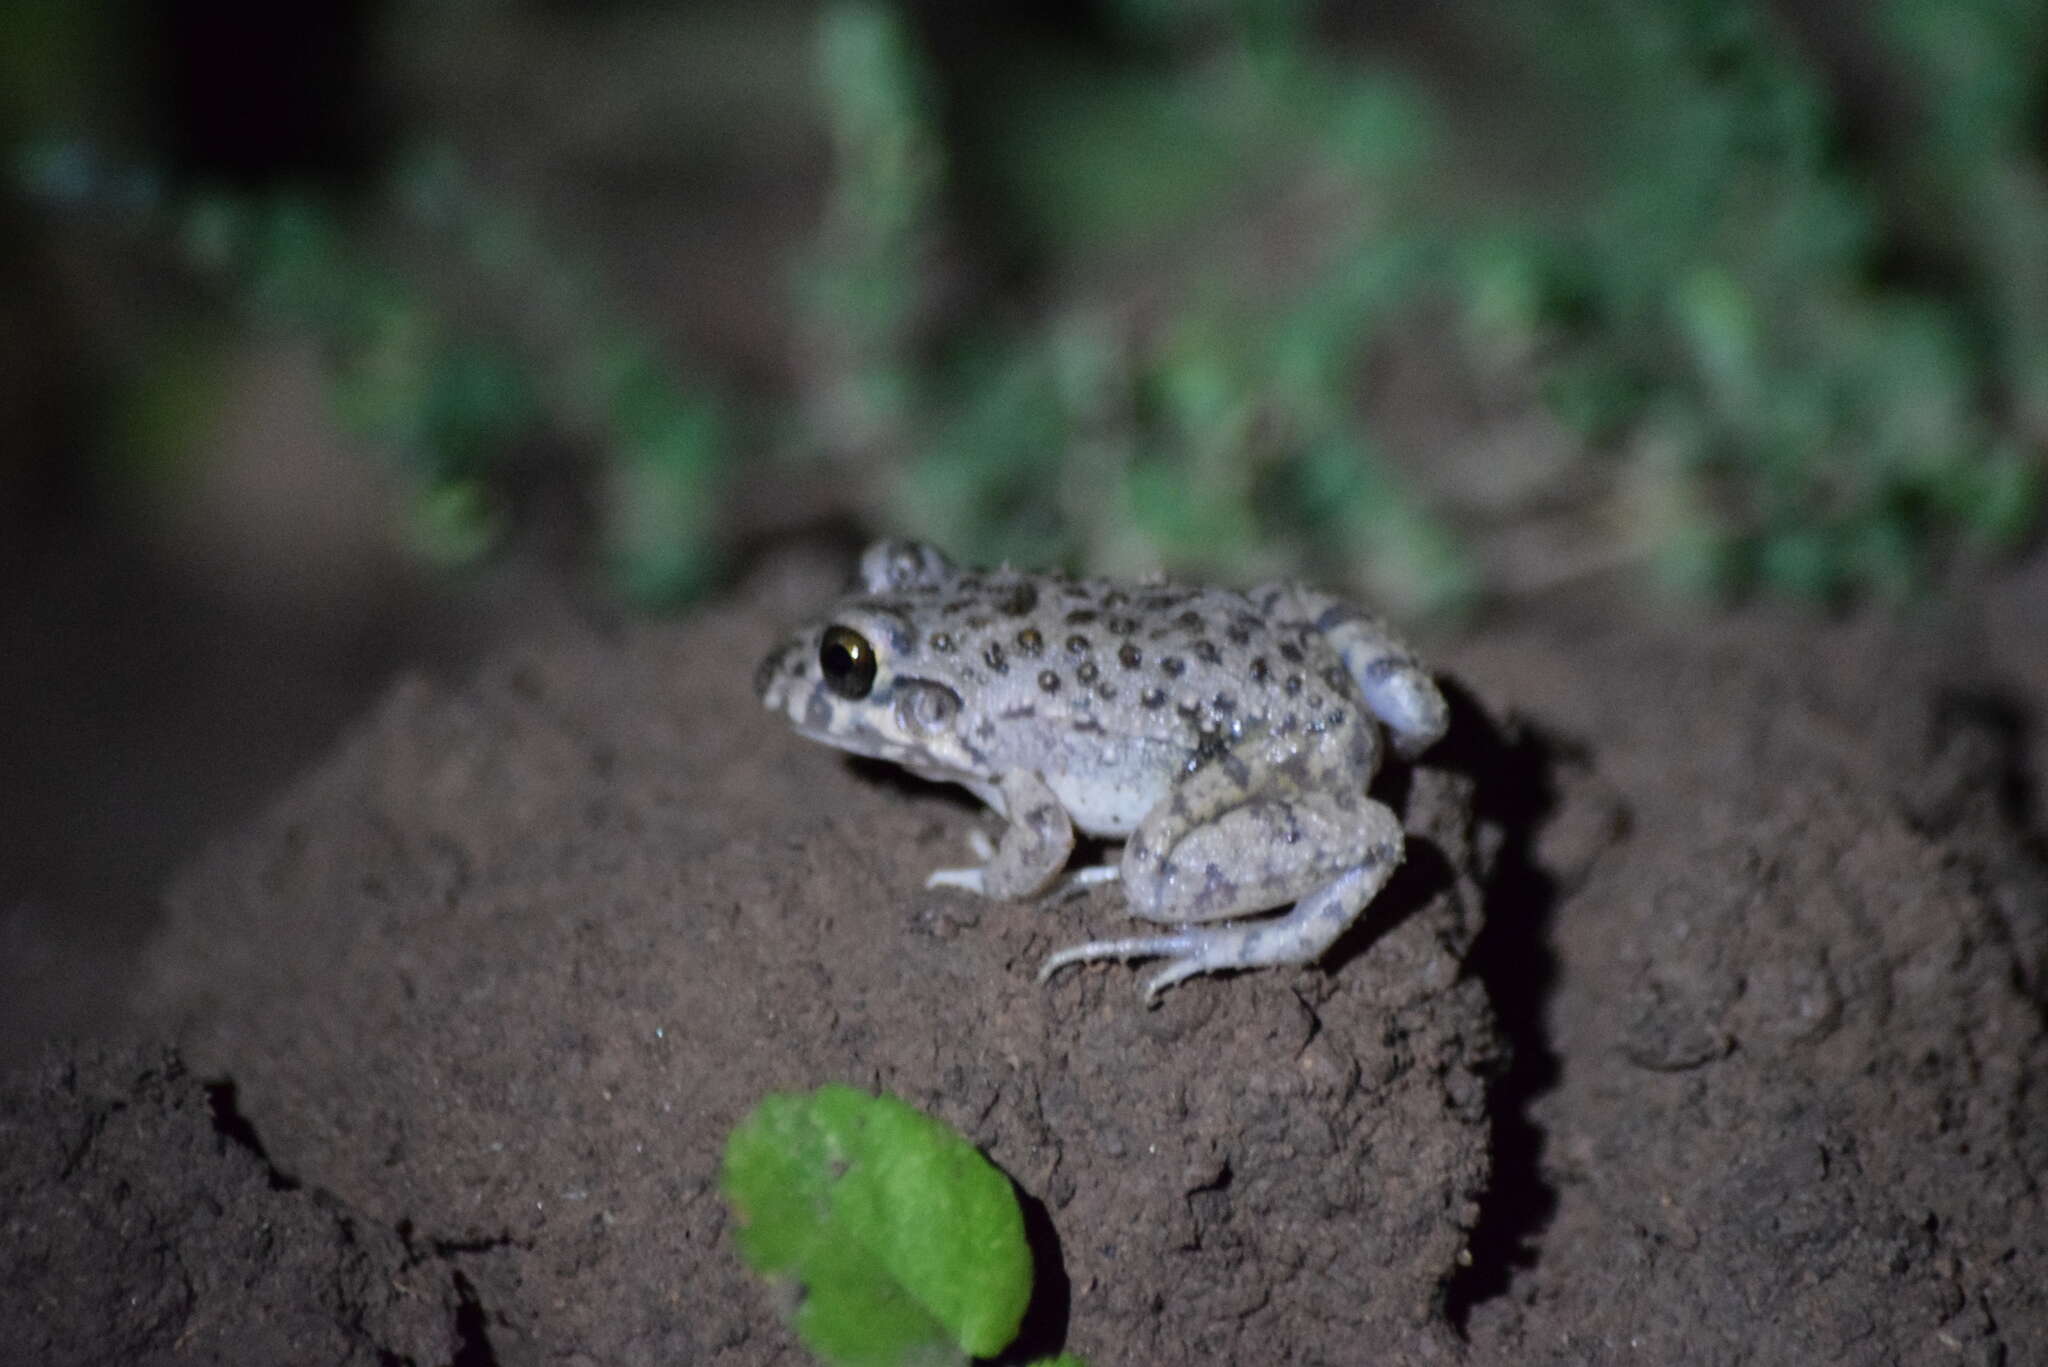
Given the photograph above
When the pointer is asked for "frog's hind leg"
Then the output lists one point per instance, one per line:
(1397, 688)
(1229, 844)
(1301, 936)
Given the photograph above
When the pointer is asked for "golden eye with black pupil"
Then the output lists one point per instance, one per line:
(848, 662)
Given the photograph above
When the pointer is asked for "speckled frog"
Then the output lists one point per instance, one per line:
(1228, 736)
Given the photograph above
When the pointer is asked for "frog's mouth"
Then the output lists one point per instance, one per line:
(849, 729)
(902, 722)
(856, 737)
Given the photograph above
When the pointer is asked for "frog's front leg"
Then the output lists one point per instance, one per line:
(1242, 836)
(1034, 847)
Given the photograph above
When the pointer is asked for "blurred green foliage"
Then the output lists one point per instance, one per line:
(1781, 374)
(1222, 437)
(1117, 295)
(1734, 312)
(858, 285)
(482, 347)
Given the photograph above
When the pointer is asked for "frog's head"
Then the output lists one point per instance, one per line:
(854, 681)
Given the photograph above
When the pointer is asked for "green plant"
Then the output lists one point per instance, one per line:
(1791, 360)
(458, 364)
(903, 1243)
(1120, 294)
(1223, 439)
(861, 283)
(1719, 307)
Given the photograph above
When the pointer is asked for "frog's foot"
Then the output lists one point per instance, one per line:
(1075, 882)
(969, 879)
(1186, 943)
(1085, 877)
(1299, 937)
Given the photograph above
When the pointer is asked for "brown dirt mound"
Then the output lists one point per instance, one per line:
(137, 1231)
(1793, 1111)
(1748, 904)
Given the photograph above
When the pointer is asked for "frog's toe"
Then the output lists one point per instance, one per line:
(1174, 972)
(1215, 950)
(1142, 947)
(974, 880)
(970, 880)
(1085, 877)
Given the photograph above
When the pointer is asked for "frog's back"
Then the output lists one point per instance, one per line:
(1172, 671)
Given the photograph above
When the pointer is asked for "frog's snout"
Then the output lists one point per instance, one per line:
(771, 676)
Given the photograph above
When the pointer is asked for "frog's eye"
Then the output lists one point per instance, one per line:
(847, 661)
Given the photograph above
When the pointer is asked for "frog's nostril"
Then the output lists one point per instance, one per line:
(765, 672)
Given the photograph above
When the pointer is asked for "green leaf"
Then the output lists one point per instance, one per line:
(902, 1238)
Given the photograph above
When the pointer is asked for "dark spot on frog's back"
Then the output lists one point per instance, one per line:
(1210, 747)
(1206, 652)
(1029, 642)
(1017, 599)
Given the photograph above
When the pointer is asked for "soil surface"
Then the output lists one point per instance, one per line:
(1704, 1023)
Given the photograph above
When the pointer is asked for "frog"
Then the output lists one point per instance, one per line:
(1227, 738)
